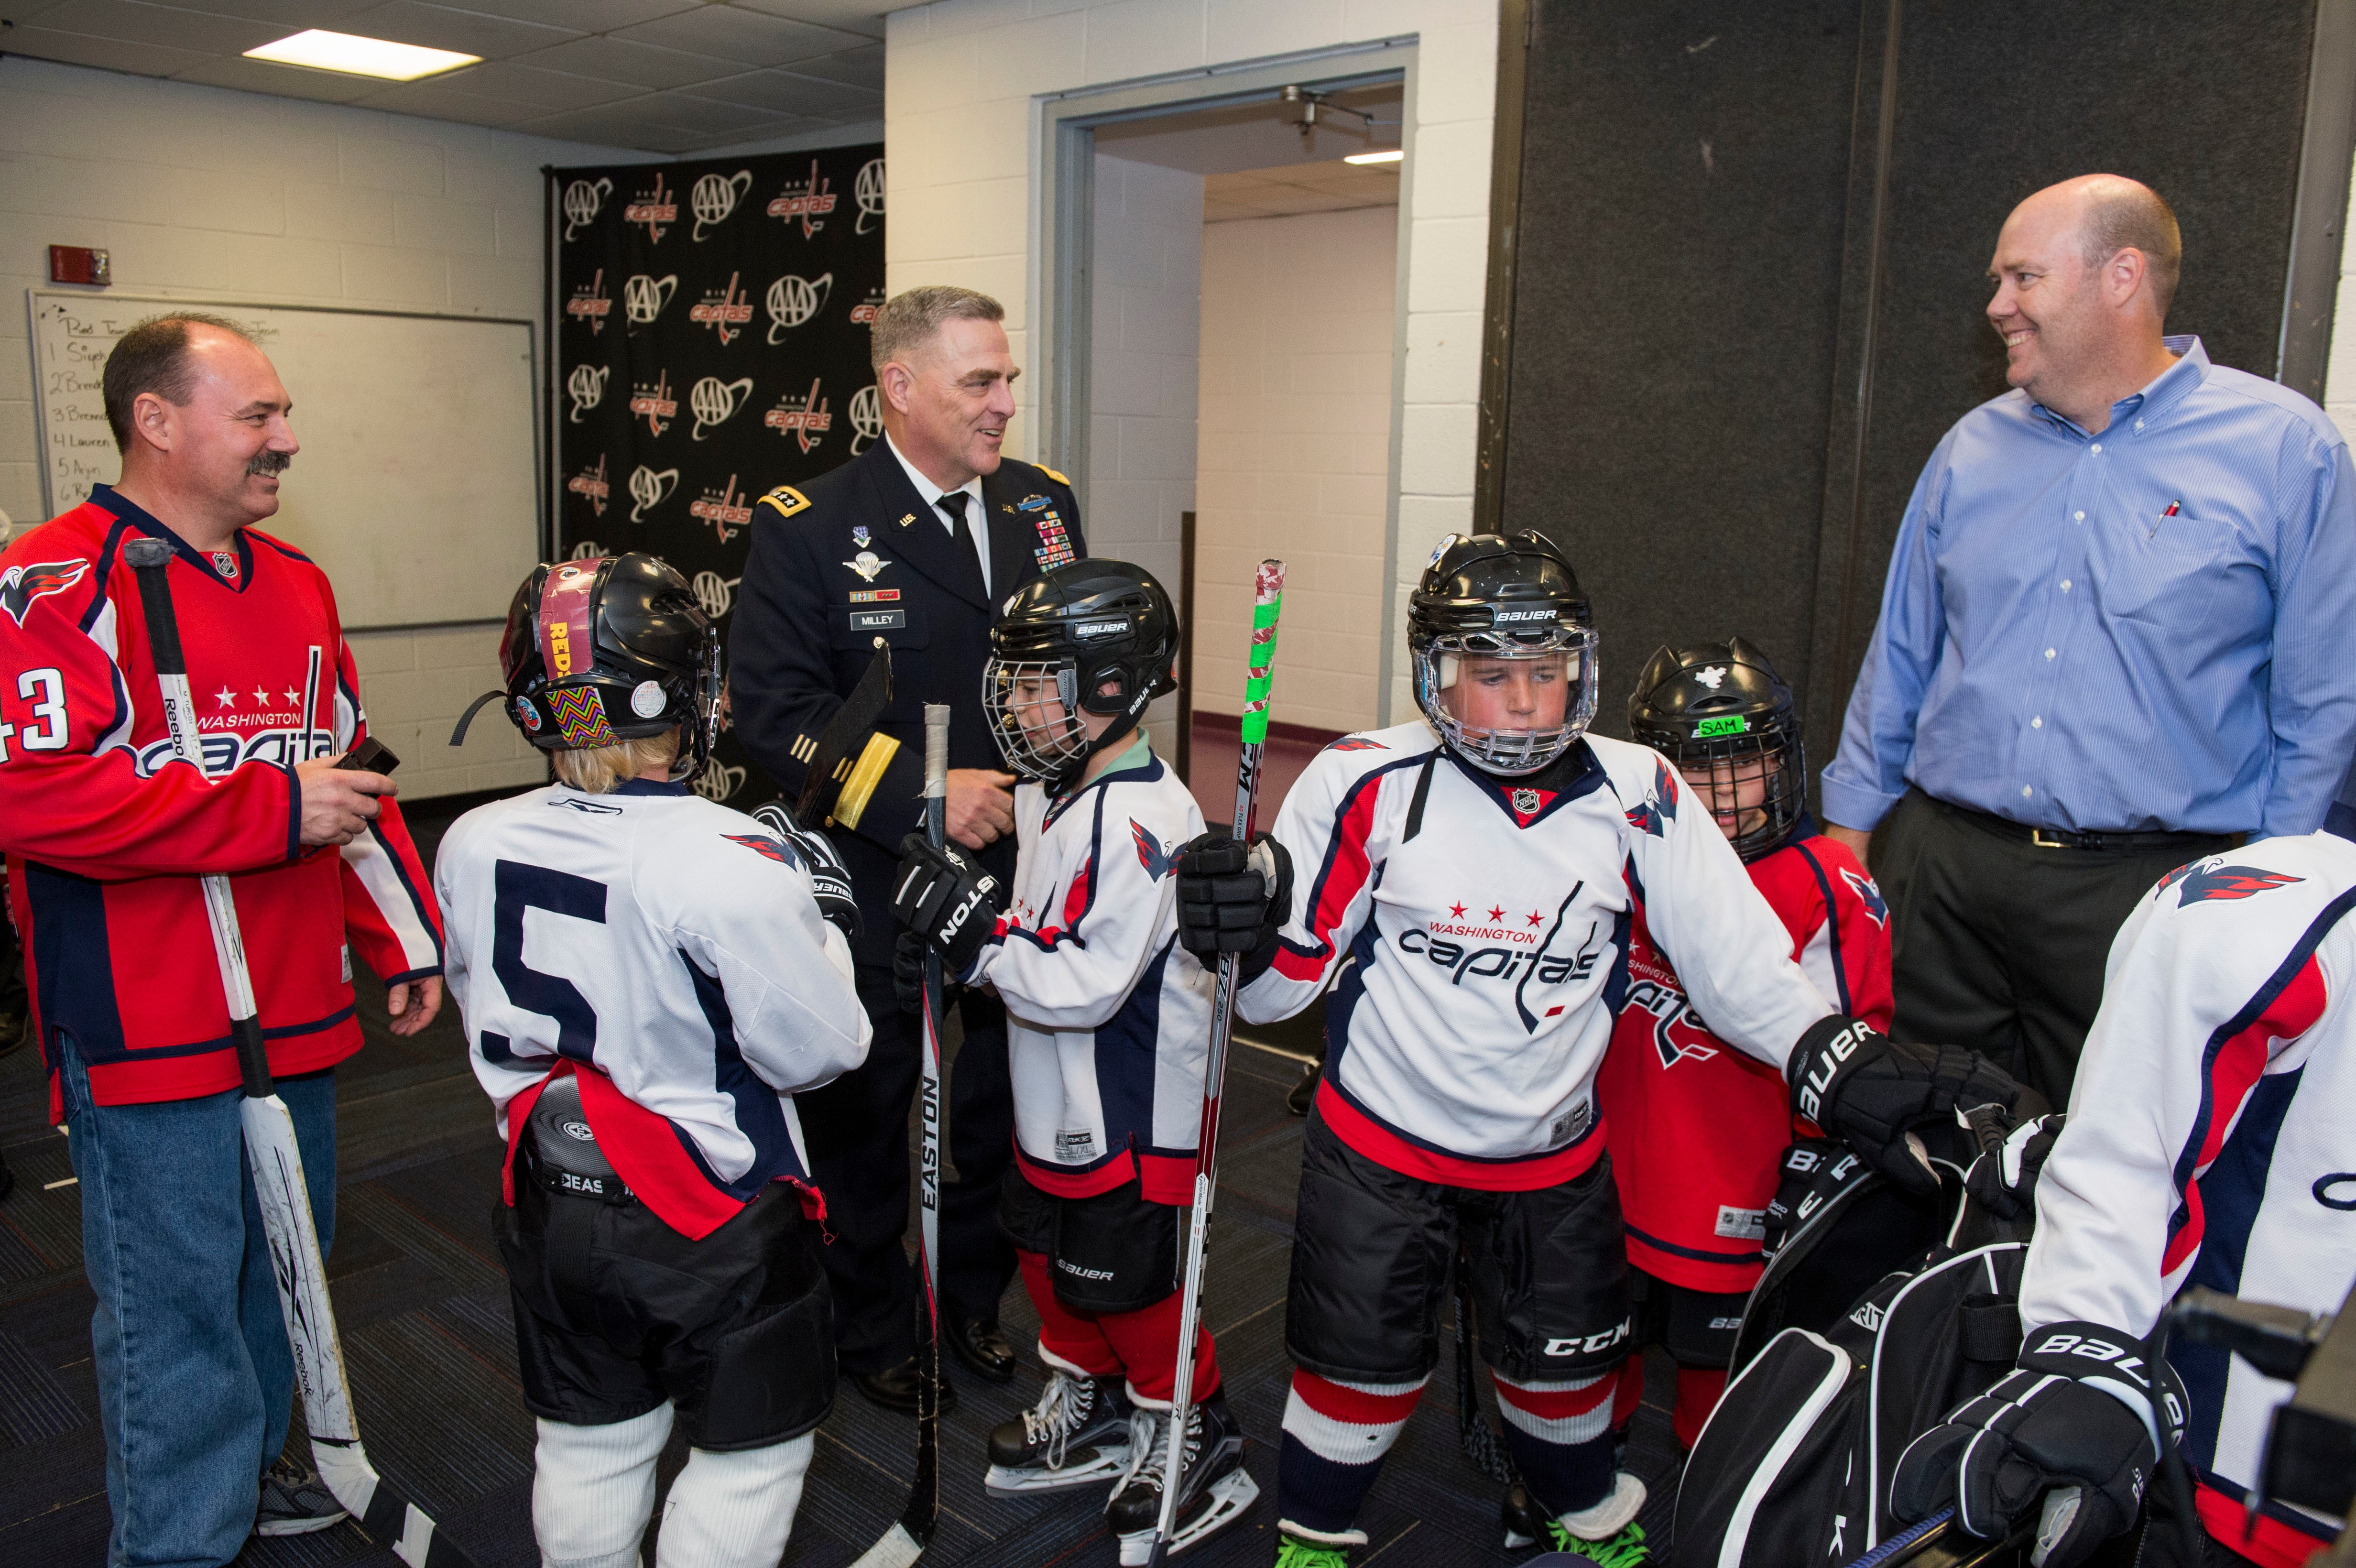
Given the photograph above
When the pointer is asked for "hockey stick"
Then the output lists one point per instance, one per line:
(1267, 600)
(1475, 1435)
(277, 1159)
(907, 1539)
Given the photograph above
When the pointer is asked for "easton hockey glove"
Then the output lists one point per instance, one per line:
(2074, 1420)
(830, 883)
(946, 899)
(1868, 1090)
(909, 976)
(1233, 897)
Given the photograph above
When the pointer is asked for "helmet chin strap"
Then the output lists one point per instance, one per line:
(1123, 723)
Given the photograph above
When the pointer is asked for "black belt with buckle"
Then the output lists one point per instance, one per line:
(2191, 844)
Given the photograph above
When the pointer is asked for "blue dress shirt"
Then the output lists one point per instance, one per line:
(2056, 647)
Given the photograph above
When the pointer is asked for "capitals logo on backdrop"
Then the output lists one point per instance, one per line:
(655, 207)
(590, 303)
(584, 199)
(867, 191)
(649, 489)
(805, 417)
(808, 200)
(724, 509)
(725, 311)
(590, 484)
(793, 301)
(866, 411)
(654, 403)
(587, 387)
(713, 198)
(644, 296)
(712, 400)
(864, 313)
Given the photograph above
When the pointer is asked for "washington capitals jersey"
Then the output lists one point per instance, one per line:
(1695, 1126)
(1108, 1018)
(2211, 1140)
(107, 835)
(1481, 960)
(671, 952)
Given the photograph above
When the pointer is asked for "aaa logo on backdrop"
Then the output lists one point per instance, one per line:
(644, 296)
(655, 208)
(867, 189)
(590, 303)
(655, 402)
(584, 199)
(649, 489)
(808, 200)
(590, 483)
(793, 301)
(587, 387)
(805, 418)
(723, 309)
(866, 411)
(714, 592)
(715, 197)
(724, 509)
(712, 400)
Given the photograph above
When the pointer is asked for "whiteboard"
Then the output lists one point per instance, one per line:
(415, 488)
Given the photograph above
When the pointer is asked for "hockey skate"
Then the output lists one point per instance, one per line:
(1217, 1490)
(1075, 1435)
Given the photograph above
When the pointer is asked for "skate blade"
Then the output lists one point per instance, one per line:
(1515, 1539)
(1107, 1466)
(1230, 1495)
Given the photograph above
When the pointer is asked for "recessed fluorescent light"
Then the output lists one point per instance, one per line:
(360, 56)
(1390, 156)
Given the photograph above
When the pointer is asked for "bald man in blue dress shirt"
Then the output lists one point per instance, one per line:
(2119, 633)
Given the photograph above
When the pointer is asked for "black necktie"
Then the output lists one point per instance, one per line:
(953, 503)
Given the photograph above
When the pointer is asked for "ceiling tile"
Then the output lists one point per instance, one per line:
(540, 92)
(636, 64)
(748, 38)
(613, 127)
(285, 80)
(287, 16)
(169, 26)
(574, 16)
(107, 54)
(444, 27)
(704, 114)
(788, 93)
(863, 16)
(855, 67)
(436, 101)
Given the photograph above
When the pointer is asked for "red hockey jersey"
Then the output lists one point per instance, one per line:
(1695, 1127)
(106, 835)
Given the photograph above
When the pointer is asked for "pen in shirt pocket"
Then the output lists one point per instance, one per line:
(2173, 508)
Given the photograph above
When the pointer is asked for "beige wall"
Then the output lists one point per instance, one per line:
(1294, 447)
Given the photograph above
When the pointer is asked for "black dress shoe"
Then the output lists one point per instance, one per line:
(983, 1347)
(895, 1387)
(1304, 1093)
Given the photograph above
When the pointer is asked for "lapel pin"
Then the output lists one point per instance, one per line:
(906, 520)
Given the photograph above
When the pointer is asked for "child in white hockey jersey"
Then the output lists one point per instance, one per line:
(1107, 1025)
(1471, 876)
(647, 979)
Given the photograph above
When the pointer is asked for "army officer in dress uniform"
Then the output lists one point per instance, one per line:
(911, 545)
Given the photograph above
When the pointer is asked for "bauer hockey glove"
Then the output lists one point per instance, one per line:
(948, 900)
(2003, 1181)
(2074, 1420)
(830, 883)
(1233, 897)
(1869, 1092)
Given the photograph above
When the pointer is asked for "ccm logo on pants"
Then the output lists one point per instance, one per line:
(1592, 1344)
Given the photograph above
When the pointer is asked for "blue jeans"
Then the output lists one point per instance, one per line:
(195, 1377)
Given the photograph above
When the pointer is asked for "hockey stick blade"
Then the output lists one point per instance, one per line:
(898, 1549)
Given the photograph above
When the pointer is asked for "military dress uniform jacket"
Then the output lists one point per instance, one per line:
(852, 557)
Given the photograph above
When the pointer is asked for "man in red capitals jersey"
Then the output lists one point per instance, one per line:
(1474, 880)
(1695, 1126)
(107, 837)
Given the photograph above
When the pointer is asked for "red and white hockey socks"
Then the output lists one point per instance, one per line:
(1143, 1346)
(1335, 1434)
(1559, 1434)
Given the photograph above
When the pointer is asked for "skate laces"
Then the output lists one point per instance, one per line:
(1062, 1410)
(1292, 1551)
(1148, 1451)
(1626, 1550)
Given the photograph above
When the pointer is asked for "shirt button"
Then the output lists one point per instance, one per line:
(2098, 446)
(2138, 424)
(2037, 723)
(2082, 516)
(2065, 585)
(2025, 790)
(2048, 653)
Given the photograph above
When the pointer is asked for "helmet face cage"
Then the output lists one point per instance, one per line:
(1756, 781)
(1013, 692)
(1508, 752)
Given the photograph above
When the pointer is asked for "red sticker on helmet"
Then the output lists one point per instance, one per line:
(568, 639)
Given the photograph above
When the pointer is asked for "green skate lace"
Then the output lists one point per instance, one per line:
(1626, 1550)
(1292, 1551)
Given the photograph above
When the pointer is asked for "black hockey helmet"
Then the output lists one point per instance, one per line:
(1104, 635)
(610, 649)
(1500, 596)
(1722, 706)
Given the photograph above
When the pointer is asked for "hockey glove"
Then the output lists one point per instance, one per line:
(1233, 897)
(2074, 1420)
(830, 883)
(1869, 1090)
(2003, 1181)
(1814, 1172)
(946, 899)
(909, 976)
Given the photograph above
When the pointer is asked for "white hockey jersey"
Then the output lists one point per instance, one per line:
(667, 949)
(2212, 1138)
(1486, 957)
(1108, 1018)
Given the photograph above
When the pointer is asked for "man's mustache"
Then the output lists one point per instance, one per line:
(270, 464)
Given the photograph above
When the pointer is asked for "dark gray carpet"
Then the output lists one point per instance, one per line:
(424, 1310)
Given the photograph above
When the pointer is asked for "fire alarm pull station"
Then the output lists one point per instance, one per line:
(79, 264)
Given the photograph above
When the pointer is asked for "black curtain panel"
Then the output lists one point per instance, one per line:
(712, 345)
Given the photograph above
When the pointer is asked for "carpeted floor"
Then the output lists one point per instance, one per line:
(424, 1310)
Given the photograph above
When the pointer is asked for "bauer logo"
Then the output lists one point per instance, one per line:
(584, 199)
(649, 488)
(1100, 628)
(808, 200)
(587, 387)
(724, 509)
(792, 300)
(654, 404)
(712, 400)
(725, 311)
(805, 418)
(1507, 617)
(591, 486)
(644, 296)
(655, 207)
(867, 189)
(590, 303)
(713, 198)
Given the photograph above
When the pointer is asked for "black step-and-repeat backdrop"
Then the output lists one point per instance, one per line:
(713, 345)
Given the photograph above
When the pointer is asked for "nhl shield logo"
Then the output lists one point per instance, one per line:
(1526, 801)
(225, 562)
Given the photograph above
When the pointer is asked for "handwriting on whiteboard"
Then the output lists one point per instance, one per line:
(72, 338)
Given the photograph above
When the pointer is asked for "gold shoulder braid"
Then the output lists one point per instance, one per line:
(1053, 474)
(787, 500)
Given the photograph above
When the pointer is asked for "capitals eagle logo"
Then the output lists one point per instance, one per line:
(20, 585)
(2206, 881)
(1659, 807)
(1150, 853)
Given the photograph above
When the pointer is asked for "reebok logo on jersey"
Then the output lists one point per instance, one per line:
(1150, 853)
(2206, 881)
(1876, 908)
(20, 585)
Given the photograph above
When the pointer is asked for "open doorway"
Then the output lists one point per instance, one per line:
(1242, 323)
